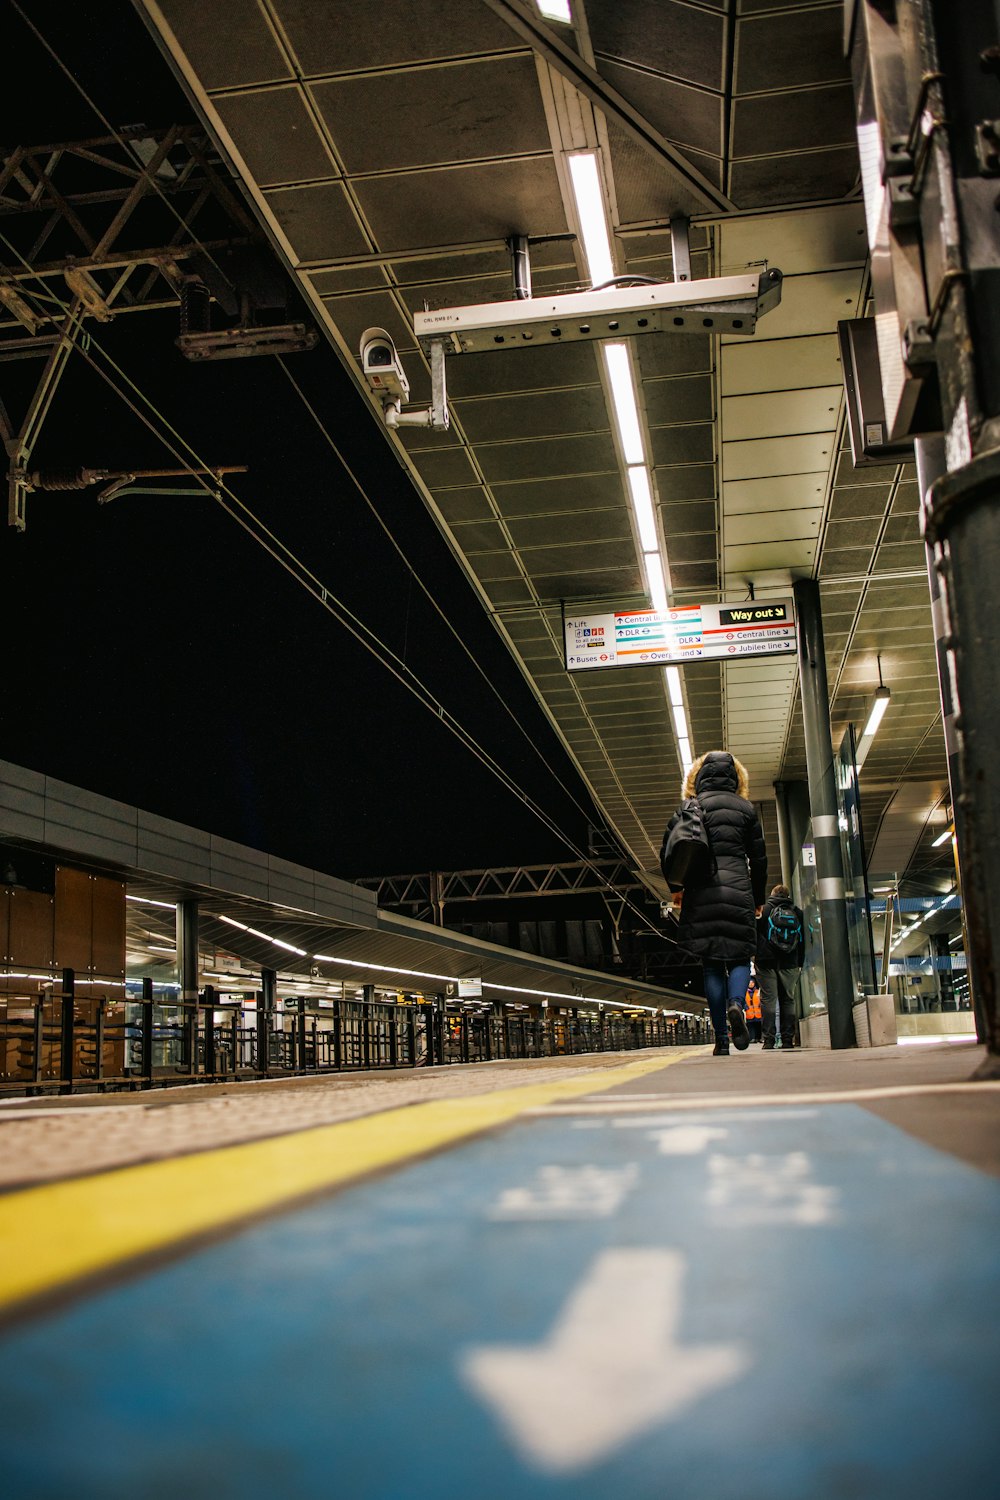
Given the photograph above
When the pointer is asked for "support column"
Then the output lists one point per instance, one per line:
(784, 835)
(186, 929)
(187, 950)
(931, 466)
(823, 806)
(962, 522)
(267, 1004)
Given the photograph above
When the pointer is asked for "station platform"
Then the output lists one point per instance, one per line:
(611, 1277)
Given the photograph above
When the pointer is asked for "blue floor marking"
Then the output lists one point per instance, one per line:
(848, 1270)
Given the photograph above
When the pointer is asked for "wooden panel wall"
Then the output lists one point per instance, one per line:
(89, 923)
(28, 932)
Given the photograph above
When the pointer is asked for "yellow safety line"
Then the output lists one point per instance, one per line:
(55, 1233)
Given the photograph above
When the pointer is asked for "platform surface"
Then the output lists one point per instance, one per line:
(635, 1275)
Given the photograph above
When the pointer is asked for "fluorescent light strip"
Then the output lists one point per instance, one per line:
(680, 725)
(687, 759)
(586, 181)
(879, 707)
(359, 963)
(555, 10)
(515, 989)
(148, 901)
(655, 581)
(674, 689)
(619, 368)
(642, 505)
(941, 838)
(265, 937)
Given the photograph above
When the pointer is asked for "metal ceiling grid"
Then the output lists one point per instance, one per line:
(390, 162)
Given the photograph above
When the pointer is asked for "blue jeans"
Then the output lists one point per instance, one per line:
(725, 985)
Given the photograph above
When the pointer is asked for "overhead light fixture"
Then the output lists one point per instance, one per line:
(655, 581)
(589, 197)
(555, 10)
(673, 676)
(881, 703)
(941, 838)
(619, 368)
(878, 708)
(642, 506)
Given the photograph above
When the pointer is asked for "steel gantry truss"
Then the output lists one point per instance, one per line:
(426, 895)
(76, 218)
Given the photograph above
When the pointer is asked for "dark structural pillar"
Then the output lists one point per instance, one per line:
(187, 949)
(186, 930)
(932, 466)
(266, 1007)
(784, 835)
(823, 806)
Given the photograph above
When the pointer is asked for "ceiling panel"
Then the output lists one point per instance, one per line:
(483, 109)
(781, 364)
(379, 217)
(774, 415)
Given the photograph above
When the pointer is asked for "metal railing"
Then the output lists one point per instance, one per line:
(61, 1043)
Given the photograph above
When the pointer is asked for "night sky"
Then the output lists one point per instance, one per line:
(155, 653)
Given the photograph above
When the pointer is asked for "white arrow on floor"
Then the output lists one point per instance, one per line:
(686, 1140)
(611, 1367)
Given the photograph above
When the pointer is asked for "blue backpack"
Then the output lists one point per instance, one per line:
(784, 930)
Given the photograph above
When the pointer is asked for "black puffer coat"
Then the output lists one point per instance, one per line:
(718, 918)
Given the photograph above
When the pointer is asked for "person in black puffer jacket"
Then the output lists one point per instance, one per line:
(718, 917)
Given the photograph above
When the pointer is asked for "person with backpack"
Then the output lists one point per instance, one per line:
(781, 946)
(722, 892)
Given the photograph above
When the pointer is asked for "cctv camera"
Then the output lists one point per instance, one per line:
(381, 366)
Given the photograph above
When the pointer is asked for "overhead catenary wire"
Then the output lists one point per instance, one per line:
(240, 512)
(317, 419)
(567, 790)
(92, 104)
(255, 527)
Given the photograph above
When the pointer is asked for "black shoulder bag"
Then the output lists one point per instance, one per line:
(686, 856)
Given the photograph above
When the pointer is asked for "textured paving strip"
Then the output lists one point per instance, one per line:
(44, 1140)
(59, 1232)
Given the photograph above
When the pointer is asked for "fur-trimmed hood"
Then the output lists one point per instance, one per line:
(742, 787)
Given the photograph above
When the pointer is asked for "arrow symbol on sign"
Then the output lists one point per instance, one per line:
(611, 1367)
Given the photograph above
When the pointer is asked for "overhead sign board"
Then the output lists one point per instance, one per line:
(691, 632)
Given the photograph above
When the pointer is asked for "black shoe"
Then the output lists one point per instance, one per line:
(721, 1049)
(787, 1044)
(769, 1044)
(738, 1027)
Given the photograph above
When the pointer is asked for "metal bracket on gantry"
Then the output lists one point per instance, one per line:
(621, 308)
(20, 444)
(121, 482)
(383, 370)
